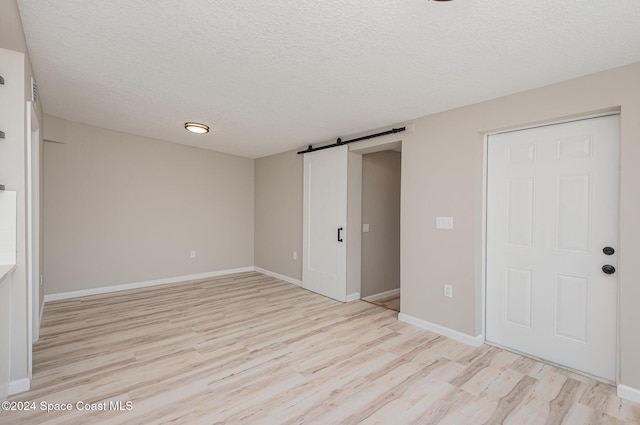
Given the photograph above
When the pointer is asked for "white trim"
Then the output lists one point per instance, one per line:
(33, 230)
(19, 386)
(137, 285)
(382, 295)
(278, 276)
(483, 259)
(353, 297)
(629, 393)
(36, 336)
(574, 118)
(474, 341)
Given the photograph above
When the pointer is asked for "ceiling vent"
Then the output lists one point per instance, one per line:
(34, 91)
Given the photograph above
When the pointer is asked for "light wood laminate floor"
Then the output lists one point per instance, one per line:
(250, 349)
(392, 302)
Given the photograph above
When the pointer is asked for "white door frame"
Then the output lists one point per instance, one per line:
(388, 142)
(485, 170)
(33, 230)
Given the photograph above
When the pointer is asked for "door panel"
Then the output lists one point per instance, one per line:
(520, 219)
(552, 206)
(518, 296)
(324, 267)
(573, 205)
(570, 309)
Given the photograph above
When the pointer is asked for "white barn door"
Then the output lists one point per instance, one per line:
(324, 263)
(552, 226)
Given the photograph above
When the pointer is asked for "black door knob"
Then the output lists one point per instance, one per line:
(608, 250)
(608, 269)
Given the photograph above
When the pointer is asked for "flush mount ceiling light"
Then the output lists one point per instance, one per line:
(196, 127)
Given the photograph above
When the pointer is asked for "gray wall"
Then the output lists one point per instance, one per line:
(278, 218)
(381, 210)
(442, 174)
(124, 209)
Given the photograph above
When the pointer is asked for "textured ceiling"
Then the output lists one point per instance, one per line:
(278, 75)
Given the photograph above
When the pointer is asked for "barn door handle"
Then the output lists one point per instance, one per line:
(608, 269)
(339, 234)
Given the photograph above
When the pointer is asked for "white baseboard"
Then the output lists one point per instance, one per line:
(278, 276)
(474, 341)
(19, 386)
(350, 297)
(382, 295)
(137, 285)
(353, 297)
(629, 393)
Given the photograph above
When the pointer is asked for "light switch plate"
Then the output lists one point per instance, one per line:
(365, 228)
(444, 222)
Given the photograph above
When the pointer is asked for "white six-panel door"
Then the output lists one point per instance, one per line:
(552, 207)
(324, 262)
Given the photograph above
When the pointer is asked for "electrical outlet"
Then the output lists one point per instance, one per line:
(295, 255)
(193, 254)
(448, 290)
(444, 223)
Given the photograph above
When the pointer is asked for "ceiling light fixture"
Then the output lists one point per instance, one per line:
(196, 127)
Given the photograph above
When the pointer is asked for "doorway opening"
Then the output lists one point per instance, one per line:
(381, 228)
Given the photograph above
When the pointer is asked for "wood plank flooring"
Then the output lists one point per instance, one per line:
(392, 302)
(250, 349)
